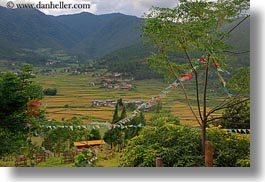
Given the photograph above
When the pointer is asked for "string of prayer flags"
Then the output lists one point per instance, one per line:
(218, 69)
(175, 84)
(217, 66)
(121, 123)
(242, 131)
(92, 126)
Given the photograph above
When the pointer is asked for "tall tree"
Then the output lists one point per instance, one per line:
(95, 134)
(195, 28)
(115, 136)
(16, 90)
(138, 121)
(115, 117)
(123, 112)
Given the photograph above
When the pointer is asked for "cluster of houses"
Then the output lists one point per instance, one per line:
(116, 84)
(111, 103)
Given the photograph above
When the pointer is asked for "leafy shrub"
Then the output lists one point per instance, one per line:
(50, 91)
(243, 162)
(180, 146)
(87, 158)
(177, 145)
(237, 116)
(10, 142)
(95, 134)
(229, 148)
(61, 139)
(164, 117)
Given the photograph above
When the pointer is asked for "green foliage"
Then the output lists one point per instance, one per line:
(130, 61)
(70, 32)
(230, 149)
(61, 139)
(131, 106)
(50, 91)
(109, 137)
(117, 136)
(158, 106)
(10, 142)
(131, 132)
(177, 145)
(87, 158)
(243, 162)
(180, 146)
(237, 116)
(240, 81)
(95, 134)
(15, 92)
(193, 28)
(115, 117)
(120, 44)
(123, 112)
(159, 119)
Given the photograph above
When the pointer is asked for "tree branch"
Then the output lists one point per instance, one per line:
(205, 89)
(196, 79)
(227, 105)
(184, 91)
(221, 117)
(223, 103)
(231, 52)
(233, 28)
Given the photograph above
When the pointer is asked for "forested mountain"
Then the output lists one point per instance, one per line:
(113, 39)
(83, 33)
(132, 59)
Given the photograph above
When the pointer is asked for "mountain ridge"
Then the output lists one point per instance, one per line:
(111, 37)
(82, 33)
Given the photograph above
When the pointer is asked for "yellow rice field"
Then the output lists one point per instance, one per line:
(75, 94)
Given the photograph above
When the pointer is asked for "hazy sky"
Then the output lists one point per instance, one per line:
(130, 7)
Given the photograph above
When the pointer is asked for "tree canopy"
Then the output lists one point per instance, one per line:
(195, 28)
(16, 90)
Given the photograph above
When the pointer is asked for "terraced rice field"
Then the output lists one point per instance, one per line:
(75, 95)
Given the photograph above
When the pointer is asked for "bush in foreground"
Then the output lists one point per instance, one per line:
(180, 146)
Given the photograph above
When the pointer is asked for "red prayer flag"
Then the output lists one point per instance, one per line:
(216, 65)
(186, 76)
(202, 60)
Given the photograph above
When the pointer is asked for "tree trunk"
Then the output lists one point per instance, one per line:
(208, 154)
(203, 128)
(159, 162)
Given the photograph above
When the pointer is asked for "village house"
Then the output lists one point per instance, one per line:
(115, 84)
(111, 103)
